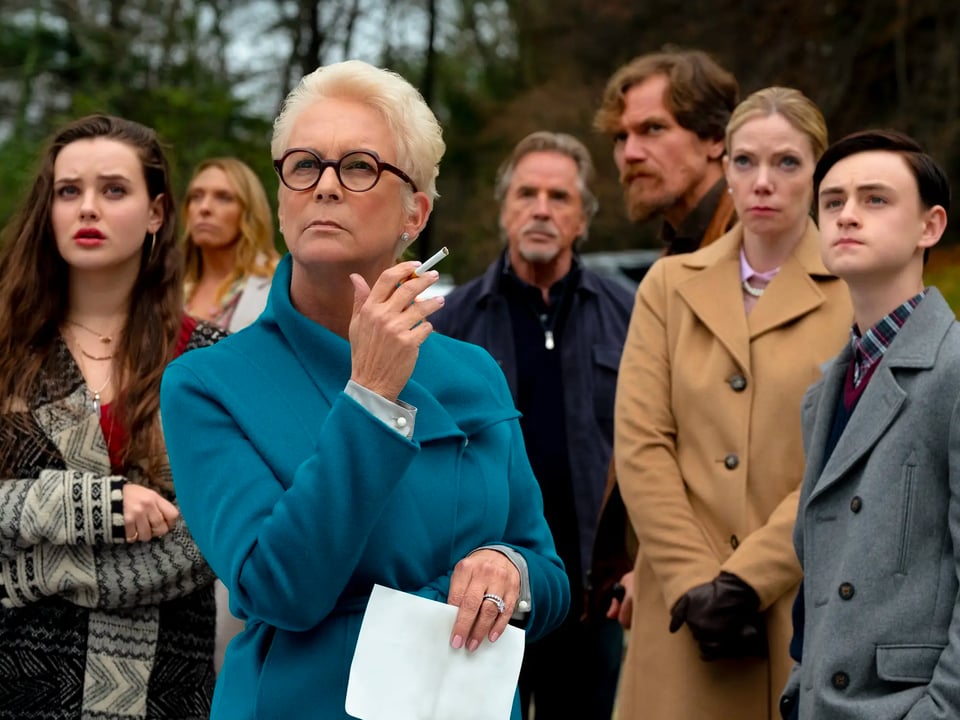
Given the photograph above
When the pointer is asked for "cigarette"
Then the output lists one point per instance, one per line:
(433, 260)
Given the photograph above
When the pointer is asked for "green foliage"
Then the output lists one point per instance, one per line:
(943, 271)
(17, 169)
(502, 68)
(148, 61)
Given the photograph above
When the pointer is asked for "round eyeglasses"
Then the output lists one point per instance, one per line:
(358, 171)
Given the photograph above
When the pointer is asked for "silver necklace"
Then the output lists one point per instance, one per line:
(96, 394)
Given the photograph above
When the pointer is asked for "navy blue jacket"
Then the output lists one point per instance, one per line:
(591, 345)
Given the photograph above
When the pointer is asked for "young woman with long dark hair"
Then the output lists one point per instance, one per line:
(106, 605)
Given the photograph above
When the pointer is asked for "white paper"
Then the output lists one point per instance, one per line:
(404, 668)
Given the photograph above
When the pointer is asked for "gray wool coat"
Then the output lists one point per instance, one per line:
(878, 534)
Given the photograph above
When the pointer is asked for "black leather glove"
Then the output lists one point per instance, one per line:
(724, 617)
(789, 707)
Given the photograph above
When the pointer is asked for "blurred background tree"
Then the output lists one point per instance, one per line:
(210, 74)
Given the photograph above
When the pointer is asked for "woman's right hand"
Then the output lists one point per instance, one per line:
(621, 608)
(388, 327)
(146, 513)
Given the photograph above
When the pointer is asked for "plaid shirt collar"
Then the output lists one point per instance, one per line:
(868, 349)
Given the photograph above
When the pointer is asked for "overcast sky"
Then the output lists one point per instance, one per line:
(253, 49)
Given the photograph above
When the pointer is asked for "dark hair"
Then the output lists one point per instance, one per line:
(932, 183)
(34, 293)
(701, 94)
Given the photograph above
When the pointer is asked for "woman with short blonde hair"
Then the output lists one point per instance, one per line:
(344, 443)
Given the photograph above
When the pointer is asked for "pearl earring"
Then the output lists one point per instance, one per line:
(405, 238)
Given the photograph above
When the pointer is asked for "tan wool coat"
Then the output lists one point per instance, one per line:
(709, 461)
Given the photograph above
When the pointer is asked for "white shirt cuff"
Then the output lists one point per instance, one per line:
(523, 607)
(398, 415)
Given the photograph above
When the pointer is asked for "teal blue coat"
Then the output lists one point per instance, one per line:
(301, 500)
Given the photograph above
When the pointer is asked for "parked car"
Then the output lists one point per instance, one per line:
(625, 266)
(442, 286)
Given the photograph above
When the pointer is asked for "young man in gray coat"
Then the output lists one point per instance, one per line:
(878, 528)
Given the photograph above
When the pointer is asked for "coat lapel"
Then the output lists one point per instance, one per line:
(712, 292)
(915, 347)
(818, 413)
(876, 411)
(793, 292)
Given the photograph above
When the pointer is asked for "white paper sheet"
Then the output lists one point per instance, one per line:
(404, 668)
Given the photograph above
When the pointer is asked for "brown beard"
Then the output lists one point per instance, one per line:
(641, 211)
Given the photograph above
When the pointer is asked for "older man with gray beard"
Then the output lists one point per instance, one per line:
(557, 330)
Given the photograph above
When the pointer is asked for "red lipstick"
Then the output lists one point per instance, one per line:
(89, 237)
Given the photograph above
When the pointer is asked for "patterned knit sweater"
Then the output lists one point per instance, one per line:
(93, 627)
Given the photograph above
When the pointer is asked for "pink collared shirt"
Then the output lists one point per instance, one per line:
(758, 280)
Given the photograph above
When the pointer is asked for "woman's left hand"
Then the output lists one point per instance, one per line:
(478, 581)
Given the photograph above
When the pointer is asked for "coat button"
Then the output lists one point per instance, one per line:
(738, 383)
(840, 680)
(734, 542)
(846, 591)
(731, 461)
(856, 503)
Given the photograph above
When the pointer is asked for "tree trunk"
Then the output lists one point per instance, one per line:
(424, 244)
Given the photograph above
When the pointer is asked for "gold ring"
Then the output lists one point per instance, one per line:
(135, 537)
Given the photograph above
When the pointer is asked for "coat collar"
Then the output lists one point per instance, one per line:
(708, 221)
(490, 280)
(915, 347)
(445, 394)
(715, 289)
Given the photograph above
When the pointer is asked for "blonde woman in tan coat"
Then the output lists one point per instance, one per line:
(722, 345)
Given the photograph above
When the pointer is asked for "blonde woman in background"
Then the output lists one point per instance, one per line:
(722, 344)
(230, 257)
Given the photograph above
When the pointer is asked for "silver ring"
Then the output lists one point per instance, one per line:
(496, 600)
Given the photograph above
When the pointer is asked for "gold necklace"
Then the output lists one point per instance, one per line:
(94, 357)
(94, 394)
(83, 352)
(105, 339)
